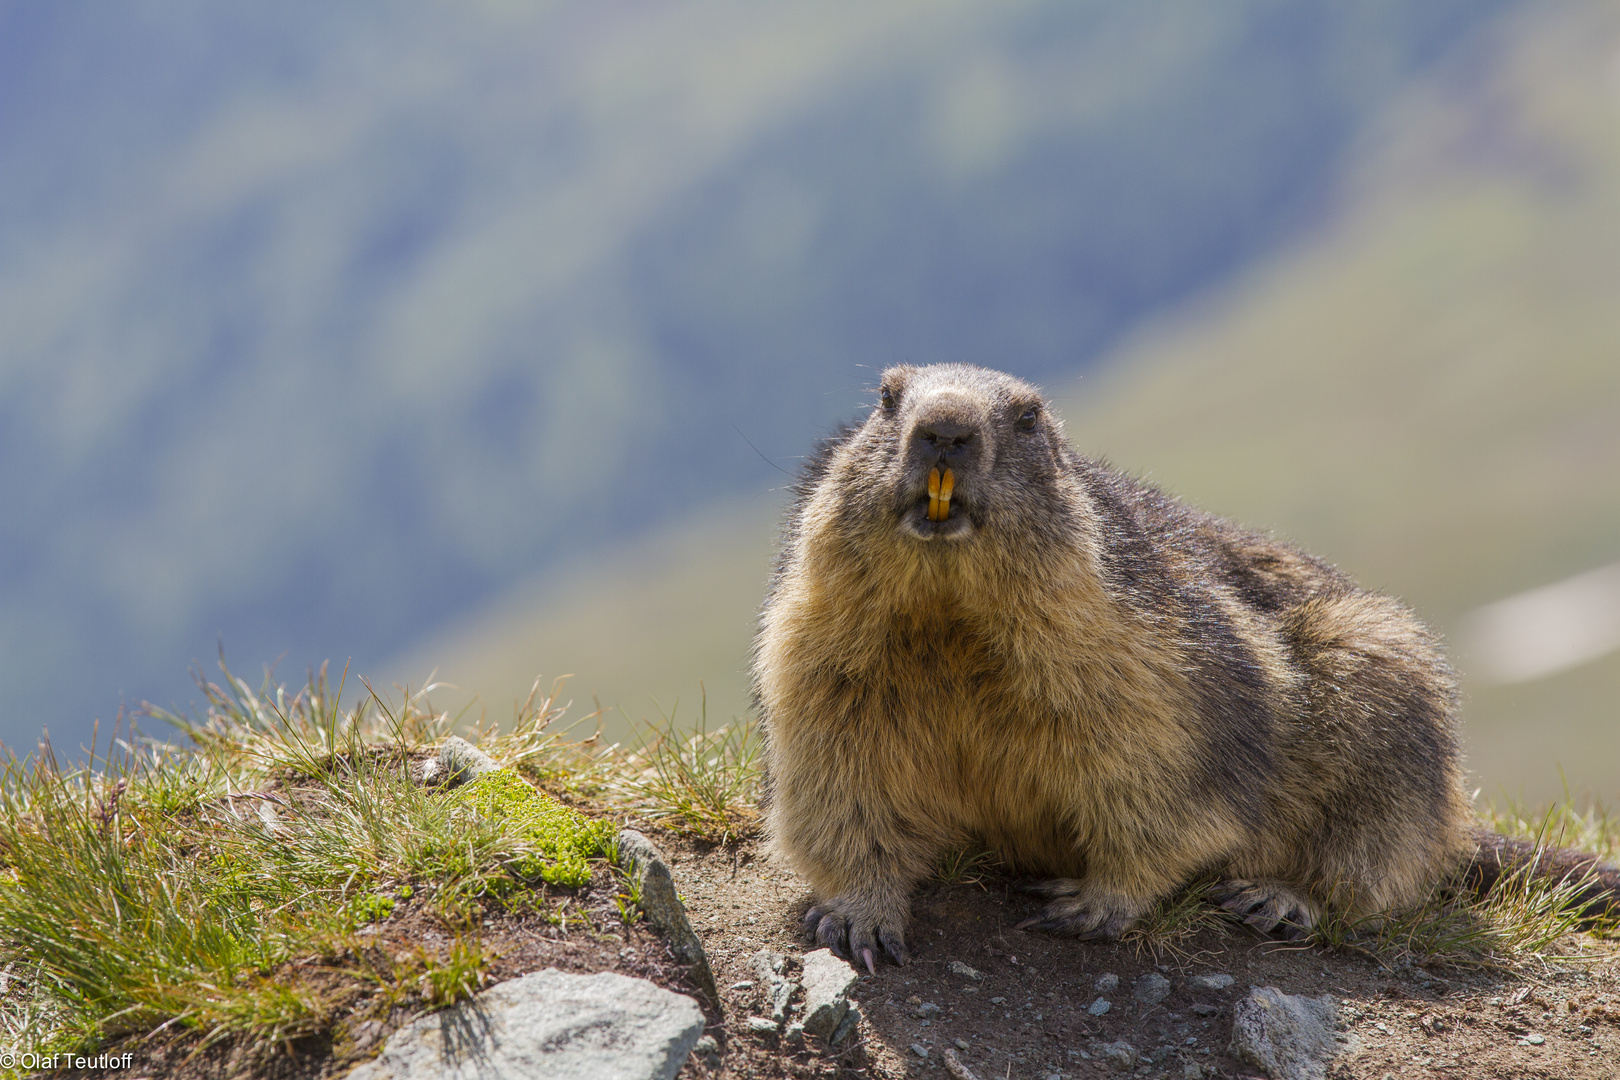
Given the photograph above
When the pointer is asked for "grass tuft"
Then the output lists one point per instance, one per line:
(700, 783)
(216, 886)
(1171, 927)
(1525, 918)
(966, 864)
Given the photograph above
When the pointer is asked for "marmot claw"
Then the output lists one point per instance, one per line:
(1269, 908)
(837, 925)
(1079, 917)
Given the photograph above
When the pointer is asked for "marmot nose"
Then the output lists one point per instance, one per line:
(946, 437)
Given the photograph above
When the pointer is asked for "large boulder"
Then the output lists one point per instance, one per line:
(549, 1025)
(1287, 1036)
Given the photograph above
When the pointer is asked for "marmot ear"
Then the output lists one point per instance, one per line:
(887, 398)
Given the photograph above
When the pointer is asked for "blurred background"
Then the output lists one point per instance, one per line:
(481, 339)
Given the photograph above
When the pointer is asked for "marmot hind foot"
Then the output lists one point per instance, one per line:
(1269, 908)
(1081, 910)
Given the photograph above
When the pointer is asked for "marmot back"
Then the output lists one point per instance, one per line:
(975, 633)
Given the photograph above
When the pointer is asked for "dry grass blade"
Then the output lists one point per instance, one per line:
(702, 783)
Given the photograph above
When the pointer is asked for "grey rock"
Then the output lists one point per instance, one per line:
(794, 1033)
(926, 1009)
(770, 968)
(762, 1024)
(707, 1048)
(827, 982)
(1203, 1009)
(1210, 982)
(457, 762)
(547, 1025)
(663, 908)
(781, 997)
(1107, 982)
(1287, 1036)
(956, 967)
(1121, 1054)
(920, 1050)
(954, 1066)
(1100, 1006)
(1151, 988)
(851, 1020)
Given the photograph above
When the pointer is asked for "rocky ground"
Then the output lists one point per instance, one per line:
(1009, 1004)
(982, 1000)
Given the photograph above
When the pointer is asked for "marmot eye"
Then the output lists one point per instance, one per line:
(1026, 422)
(886, 397)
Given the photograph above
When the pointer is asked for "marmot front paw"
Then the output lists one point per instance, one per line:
(853, 927)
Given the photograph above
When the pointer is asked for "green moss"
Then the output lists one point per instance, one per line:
(562, 839)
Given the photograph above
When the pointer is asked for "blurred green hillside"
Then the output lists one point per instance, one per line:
(1426, 389)
(325, 325)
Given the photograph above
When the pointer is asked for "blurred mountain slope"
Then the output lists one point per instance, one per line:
(1429, 393)
(322, 325)
(1425, 389)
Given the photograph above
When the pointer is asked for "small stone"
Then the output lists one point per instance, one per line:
(925, 1023)
(1210, 982)
(707, 1048)
(954, 1066)
(1100, 1006)
(769, 967)
(962, 1044)
(1203, 1009)
(920, 1050)
(926, 1009)
(851, 1020)
(1191, 1070)
(956, 967)
(1534, 1039)
(1107, 982)
(827, 981)
(995, 1001)
(1151, 988)
(794, 1033)
(746, 984)
(1121, 1054)
(762, 1024)
(458, 761)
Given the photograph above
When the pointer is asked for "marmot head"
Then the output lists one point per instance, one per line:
(949, 451)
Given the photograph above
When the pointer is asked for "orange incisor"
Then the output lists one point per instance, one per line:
(939, 494)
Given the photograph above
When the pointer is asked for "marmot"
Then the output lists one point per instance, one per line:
(975, 633)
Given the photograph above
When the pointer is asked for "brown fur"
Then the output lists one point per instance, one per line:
(1109, 688)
